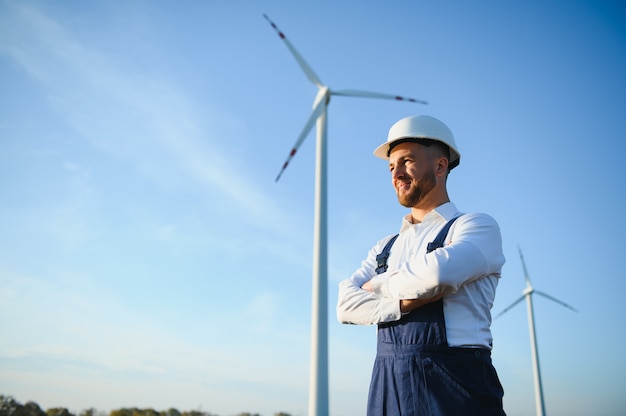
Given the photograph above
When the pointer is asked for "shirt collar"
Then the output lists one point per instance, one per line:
(444, 212)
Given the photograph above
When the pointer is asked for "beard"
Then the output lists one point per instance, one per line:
(417, 190)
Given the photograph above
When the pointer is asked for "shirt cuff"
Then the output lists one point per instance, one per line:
(390, 310)
(380, 285)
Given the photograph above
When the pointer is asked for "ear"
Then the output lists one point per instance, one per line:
(441, 167)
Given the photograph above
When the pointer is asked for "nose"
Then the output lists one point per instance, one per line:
(398, 172)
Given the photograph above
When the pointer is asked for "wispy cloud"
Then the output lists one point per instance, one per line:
(107, 335)
(119, 347)
(147, 122)
(88, 330)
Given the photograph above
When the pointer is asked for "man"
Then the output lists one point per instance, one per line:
(431, 302)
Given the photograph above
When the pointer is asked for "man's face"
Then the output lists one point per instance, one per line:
(412, 173)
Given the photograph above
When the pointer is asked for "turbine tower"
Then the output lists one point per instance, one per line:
(527, 294)
(318, 381)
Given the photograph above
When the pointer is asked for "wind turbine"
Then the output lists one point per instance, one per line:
(318, 381)
(527, 293)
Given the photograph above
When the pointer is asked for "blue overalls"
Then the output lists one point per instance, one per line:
(416, 373)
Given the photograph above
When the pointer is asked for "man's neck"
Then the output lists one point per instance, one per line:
(418, 213)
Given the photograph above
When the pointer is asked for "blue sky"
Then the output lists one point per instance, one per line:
(148, 258)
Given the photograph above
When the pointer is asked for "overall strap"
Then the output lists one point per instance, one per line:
(438, 241)
(381, 259)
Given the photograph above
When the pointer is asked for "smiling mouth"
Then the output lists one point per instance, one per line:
(403, 186)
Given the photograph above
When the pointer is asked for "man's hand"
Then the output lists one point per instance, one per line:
(407, 305)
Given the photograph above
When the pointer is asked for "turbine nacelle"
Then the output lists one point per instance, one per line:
(322, 98)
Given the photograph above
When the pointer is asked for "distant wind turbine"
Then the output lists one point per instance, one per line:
(318, 382)
(527, 293)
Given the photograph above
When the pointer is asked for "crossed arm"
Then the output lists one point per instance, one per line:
(406, 305)
(359, 304)
(368, 298)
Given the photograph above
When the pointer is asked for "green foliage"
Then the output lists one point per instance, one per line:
(196, 413)
(171, 412)
(10, 407)
(58, 411)
(134, 412)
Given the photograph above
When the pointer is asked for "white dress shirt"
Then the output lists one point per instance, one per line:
(466, 270)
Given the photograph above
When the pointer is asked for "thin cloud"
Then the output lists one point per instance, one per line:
(91, 333)
(149, 123)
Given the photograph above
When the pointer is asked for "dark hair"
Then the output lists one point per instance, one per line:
(424, 142)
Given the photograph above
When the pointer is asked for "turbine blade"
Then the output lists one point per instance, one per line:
(305, 67)
(370, 94)
(510, 307)
(318, 107)
(545, 295)
(526, 277)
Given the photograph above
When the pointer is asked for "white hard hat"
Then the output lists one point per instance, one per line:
(420, 127)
